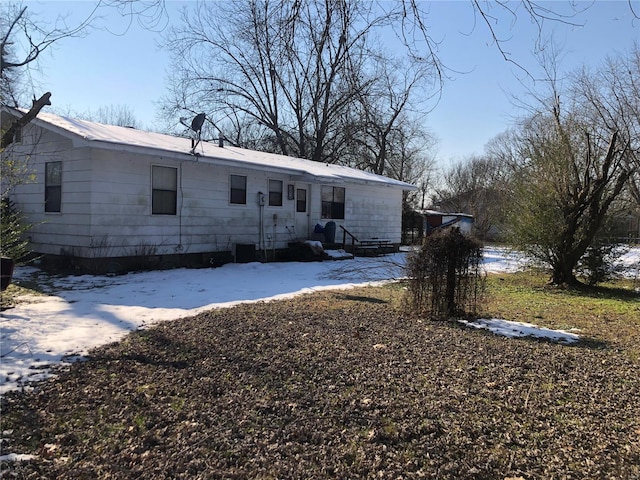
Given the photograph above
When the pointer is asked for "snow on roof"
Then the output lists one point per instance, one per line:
(111, 136)
(449, 214)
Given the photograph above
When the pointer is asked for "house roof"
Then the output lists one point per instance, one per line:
(124, 138)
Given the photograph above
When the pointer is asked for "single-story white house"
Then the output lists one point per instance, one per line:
(108, 192)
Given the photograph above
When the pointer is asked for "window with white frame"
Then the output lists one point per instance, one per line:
(238, 189)
(275, 193)
(53, 187)
(333, 202)
(164, 194)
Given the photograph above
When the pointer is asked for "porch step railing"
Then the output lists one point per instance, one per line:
(346, 232)
(374, 246)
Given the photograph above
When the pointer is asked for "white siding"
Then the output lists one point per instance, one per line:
(371, 211)
(121, 208)
(54, 233)
(106, 206)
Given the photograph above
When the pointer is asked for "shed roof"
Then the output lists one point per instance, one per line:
(448, 214)
(105, 136)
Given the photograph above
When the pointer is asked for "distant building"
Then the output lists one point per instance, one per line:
(435, 220)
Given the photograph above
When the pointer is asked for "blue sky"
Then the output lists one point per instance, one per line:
(126, 67)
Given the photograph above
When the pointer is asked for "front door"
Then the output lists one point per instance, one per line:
(302, 211)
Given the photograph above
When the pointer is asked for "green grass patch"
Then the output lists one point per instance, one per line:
(609, 314)
(11, 296)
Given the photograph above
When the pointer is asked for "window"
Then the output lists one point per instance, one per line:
(333, 202)
(53, 186)
(164, 193)
(301, 200)
(238, 189)
(275, 193)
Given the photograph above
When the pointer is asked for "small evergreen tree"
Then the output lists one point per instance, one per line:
(13, 243)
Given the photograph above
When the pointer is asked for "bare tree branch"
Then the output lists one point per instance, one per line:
(36, 44)
(39, 104)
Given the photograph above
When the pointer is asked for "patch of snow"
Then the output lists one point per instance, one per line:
(629, 264)
(16, 457)
(503, 260)
(338, 254)
(511, 329)
(314, 243)
(315, 246)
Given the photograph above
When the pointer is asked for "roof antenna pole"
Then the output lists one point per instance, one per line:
(195, 144)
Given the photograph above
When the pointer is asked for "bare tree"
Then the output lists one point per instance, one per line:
(408, 160)
(19, 27)
(293, 69)
(567, 177)
(150, 14)
(411, 19)
(9, 134)
(610, 96)
(34, 37)
(303, 77)
(24, 38)
(383, 115)
(120, 115)
(476, 186)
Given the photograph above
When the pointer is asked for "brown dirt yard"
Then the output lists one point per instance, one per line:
(341, 384)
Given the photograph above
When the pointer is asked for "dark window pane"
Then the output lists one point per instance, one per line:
(301, 202)
(165, 178)
(238, 182)
(52, 199)
(337, 211)
(164, 202)
(238, 191)
(275, 193)
(53, 187)
(164, 193)
(54, 173)
(327, 194)
(333, 199)
(239, 196)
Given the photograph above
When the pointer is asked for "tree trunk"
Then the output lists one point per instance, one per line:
(563, 273)
(450, 292)
(7, 137)
(6, 271)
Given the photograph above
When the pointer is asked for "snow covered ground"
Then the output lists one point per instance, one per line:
(78, 313)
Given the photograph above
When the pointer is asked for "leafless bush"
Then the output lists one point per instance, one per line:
(445, 278)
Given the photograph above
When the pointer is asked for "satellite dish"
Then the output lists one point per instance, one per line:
(196, 126)
(197, 122)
